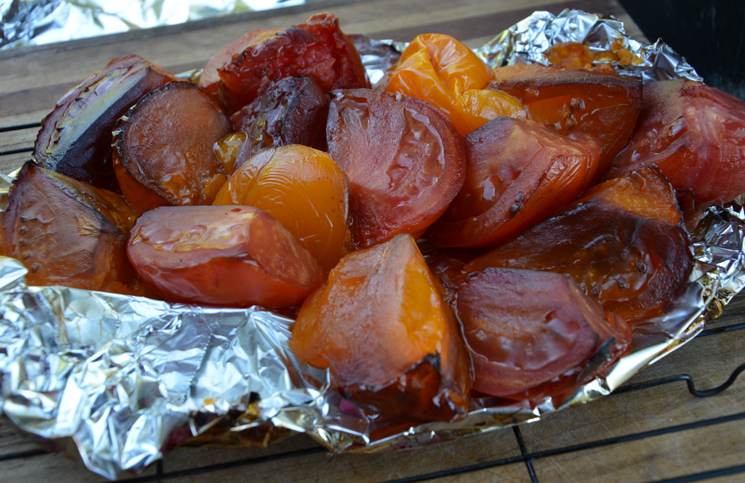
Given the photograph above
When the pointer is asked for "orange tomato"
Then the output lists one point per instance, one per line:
(302, 188)
(438, 69)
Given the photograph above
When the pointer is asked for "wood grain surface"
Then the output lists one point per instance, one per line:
(646, 434)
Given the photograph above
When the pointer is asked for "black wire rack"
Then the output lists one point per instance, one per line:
(525, 456)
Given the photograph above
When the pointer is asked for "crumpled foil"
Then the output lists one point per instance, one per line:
(36, 22)
(127, 378)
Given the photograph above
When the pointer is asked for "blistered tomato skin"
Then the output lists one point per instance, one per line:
(532, 333)
(317, 49)
(577, 100)
(75, 138)
(293, 110)
(390, 341)
(696, 135)
(519, 172)
(302, 188)
(442, 71)
(221, 256)
(623, 242)
(67, 232)
(165, 145)
(404, 160)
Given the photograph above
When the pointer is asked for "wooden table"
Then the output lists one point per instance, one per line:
(656, 430)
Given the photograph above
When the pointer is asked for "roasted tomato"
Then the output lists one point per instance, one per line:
(577, 100)
(622, 242)
(163, 148)
(533, 334)
(293, 110)
(519, 172)
(223, 256)
(302, 188)
(317, 49)
(75, 138)
(696, 135)
(209, 80)
(574, 55)
(404, 159)
(67, 232)
(381, 327)
(442, 71)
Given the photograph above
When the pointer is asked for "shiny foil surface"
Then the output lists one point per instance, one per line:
(127, 378)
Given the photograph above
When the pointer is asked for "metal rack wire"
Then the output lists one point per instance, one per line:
(525, 456)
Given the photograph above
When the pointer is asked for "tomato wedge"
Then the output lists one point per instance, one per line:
(225, 256)
(519, 173)
(381, 327)
(404, 160)
(623, 242)
(696, 135)
(526, 329)
(67, 232)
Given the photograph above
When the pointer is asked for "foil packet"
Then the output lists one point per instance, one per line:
(127, 378)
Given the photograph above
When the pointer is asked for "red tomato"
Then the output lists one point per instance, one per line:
(526, 329)
(518, 173)
(403, 157)
(696, 135)
(234, 256)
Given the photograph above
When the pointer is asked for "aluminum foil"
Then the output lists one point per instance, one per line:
(36, 22)
(127, 378)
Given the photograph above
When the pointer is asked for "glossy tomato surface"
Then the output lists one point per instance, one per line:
(232, 256)
(442, 71)
(67, 232)
(165, 145)
(381, 327)
(526, 329)
(577, 100)
(623, 242)
(518, 173)
(302, 188)
(404, 160)
(696, 135)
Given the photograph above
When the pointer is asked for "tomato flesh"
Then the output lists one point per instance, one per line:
(404, 160)
(381, 327)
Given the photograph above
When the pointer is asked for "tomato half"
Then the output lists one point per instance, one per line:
(519, 172)
(404, 160)
(381, 327)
